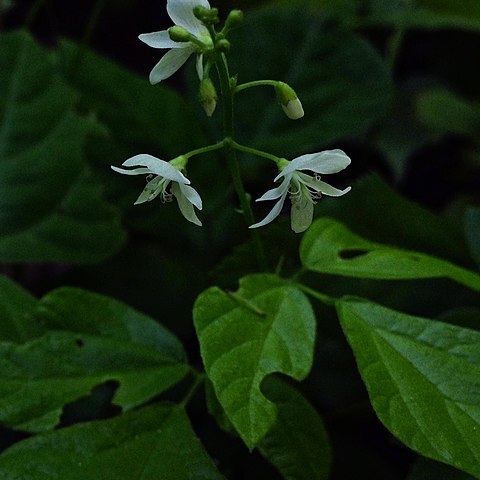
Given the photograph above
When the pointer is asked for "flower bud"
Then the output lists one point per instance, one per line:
(223, 45)
(234, 19)
(288, 99)
(208, 96)
(179, 34)
(208, 16)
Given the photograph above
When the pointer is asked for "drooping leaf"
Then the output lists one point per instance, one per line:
(148, 444)
(266, 326)
(423, 379)
(297, 444)
(329, 247)
(338, 77)
(48, 203)
(15, 304)
(88, 340)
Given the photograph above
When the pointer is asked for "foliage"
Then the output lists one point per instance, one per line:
(351, 350)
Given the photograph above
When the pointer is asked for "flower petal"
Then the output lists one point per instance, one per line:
(329, 161)
(275, 193)
(181, 12)
(158, 167)
(170, 63)
(274, 213)
(301, 215)
(150, 191)
(160, 40)
(322, 187)
(199, 66)
(191, 195)
(184, 205)
(135, 171)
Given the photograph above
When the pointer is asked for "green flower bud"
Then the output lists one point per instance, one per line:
(223, 45)
(179, 34)
(208, 96)
(208, 16)
(234, 19)
(288, 99)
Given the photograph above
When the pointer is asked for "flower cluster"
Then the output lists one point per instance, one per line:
(194, 33)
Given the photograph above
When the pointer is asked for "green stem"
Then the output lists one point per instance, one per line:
(199, 379)
(32, 14)
(208, 148)
(256, 83)
(313, 293)
(393, 48)
(231, 157)
(254, 151)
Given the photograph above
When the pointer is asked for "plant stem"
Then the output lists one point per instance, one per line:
(199, 379)
(208, 148)
(313, 293)
(254, 151)
(232, 162)
(256, 83)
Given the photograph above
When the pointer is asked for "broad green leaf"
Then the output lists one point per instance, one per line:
(298, 443)
(446, 112)
(148, 444)
(48, 202)
(333, 71)
(89, 339)
(136, 114)
(266, 326)
(15, 304)
(423, 379)
(472, 232)
(329, 247)
(80, 311)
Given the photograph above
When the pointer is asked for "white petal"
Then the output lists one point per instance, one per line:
(135, 171)
(329, 161)
(170, 63)
(322, 187)
(274, 213)
(293, 109)
(199, 66)
(275, 193)
(184, 205)
(160, 40)
(301, 215)
(181, 12)
(191, 195)
(157, 166)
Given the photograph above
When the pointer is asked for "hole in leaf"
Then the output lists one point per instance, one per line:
(79, 343)
(348, 254)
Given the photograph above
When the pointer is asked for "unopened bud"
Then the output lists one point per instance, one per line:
(208, 96)
(234, 19)
(208, 16)
(288, 99)
(223, 45)
(179, 34)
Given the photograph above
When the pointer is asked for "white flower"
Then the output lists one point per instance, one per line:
(181, 12)
(160, 175)
(304, 189)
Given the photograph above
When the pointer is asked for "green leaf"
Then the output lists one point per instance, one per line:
(133, 111)
(48, 203)
(329, 247)
(266, 326)
(298, 443)
(148, 444)
(15, 304)
(472, 232)
(333, 71)
(89, 340)
(423, 379)
(446, 112)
